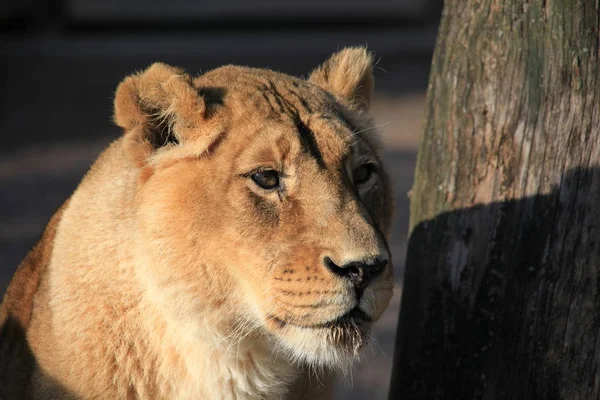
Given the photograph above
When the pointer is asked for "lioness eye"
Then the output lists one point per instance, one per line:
(363, 173)
(268, 179)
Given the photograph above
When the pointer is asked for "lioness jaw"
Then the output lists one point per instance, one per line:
(233, 238)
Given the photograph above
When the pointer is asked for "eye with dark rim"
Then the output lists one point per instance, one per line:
(363, 173)
(267, 179)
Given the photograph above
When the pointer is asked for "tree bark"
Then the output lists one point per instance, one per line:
(502, 286)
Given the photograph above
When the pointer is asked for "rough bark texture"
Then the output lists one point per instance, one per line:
(502, 287)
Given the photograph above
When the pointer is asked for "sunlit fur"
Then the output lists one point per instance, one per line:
(170, 274)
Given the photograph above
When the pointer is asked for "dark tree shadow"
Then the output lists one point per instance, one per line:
(16, 361)
(17, 364)
(502, 301)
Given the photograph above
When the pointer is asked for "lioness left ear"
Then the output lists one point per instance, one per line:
(348, 74)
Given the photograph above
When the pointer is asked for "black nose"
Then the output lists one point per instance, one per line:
(360, 273)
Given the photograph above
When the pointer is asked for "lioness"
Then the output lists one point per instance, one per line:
(230, 245)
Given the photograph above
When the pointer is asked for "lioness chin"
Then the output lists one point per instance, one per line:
(229, 244)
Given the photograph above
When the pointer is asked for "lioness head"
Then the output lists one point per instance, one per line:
(262, 204)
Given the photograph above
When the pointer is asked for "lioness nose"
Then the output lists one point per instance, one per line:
(360, 273)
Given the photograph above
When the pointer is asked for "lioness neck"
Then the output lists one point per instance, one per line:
(188, 364)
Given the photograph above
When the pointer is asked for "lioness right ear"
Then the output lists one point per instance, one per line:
(163, 102)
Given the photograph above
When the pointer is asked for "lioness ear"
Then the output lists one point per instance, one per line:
(348, 74)
(164, 103)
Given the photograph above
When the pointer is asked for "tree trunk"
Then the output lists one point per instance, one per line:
(502, 286)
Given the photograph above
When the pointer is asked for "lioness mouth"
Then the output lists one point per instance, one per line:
(354, 316)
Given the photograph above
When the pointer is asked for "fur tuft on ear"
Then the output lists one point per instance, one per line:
(163, 102)
(348, 74)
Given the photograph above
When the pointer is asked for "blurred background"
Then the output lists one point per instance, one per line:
(61, 60)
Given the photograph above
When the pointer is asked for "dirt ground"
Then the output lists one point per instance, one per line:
(45, 150)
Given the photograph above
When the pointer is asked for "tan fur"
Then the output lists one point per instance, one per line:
(169, 274)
